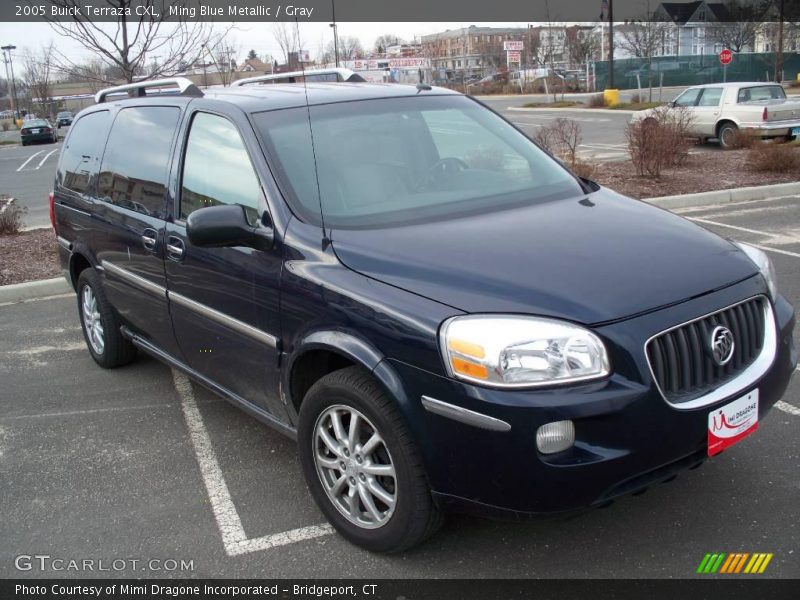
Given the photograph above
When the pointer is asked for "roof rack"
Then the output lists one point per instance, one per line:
(185, 88)
(309, 75)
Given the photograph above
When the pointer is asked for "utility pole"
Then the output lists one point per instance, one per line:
(335, 35)
(203, 55)
(8, 49)
(779, 49)
(611, 44)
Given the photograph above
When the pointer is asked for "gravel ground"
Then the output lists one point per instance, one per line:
(701, 173)
(28, 256)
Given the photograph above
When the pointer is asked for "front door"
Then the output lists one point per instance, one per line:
(224, 301)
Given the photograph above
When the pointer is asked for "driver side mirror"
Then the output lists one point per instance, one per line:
(226, 225)
(671, 104)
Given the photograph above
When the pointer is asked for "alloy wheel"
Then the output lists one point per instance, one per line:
(92, 322)
(355, 467)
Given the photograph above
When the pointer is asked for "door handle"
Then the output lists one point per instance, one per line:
(149, 239)
(175, 248)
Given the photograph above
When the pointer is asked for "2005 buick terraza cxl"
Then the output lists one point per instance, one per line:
(440, 313)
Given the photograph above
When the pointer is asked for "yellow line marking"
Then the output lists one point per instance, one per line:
(765, 563)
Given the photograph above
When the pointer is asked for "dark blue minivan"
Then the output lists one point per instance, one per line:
(442, 315)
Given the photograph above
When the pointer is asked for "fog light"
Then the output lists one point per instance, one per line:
(555, 437)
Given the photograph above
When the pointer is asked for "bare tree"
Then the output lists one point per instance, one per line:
(126, 43)
(38, 75)
(384, 41)
(644, 39)
(581, 44)
(350, 47)
(739, 32)
(222, 55)
(287, 39)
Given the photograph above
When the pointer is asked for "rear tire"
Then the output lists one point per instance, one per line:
(333, 468)
(100, 324)
(727, 136)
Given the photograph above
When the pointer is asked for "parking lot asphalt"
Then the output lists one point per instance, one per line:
(27, 174)
(138, 464)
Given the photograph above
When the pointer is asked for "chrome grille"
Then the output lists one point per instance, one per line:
(681, 361)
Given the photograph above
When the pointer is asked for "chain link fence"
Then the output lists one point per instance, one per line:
(695, 70)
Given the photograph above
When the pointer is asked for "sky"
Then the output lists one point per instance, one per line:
(257, 36)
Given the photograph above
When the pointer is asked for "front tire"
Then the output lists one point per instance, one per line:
(362, 466)
(100, 324)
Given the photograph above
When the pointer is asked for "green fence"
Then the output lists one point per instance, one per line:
(694, 70)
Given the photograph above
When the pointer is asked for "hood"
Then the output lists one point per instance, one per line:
(599, 258)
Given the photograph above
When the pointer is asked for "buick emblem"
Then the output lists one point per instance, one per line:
(721, 345)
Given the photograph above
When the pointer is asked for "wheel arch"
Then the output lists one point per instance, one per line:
(78, 261)
(323, 352)
(722, 122)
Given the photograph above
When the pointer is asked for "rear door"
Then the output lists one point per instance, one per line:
(224, 301)
(76, 179)
(132, 194)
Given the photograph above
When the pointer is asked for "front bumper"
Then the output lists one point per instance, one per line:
(627, 435)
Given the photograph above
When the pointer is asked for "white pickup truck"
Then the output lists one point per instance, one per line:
(718, 110)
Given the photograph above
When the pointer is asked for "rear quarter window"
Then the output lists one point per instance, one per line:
(134, 171)
(80, 157)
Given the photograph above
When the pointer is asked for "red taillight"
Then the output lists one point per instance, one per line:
(52, 211)
(765, 114)
(47, 130)
(24, 132)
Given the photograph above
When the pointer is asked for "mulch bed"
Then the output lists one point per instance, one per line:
(28, 256)
(701, 173)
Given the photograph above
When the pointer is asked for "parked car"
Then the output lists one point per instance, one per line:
(720, 110)
(37, 130)
(419, 294)
(64, 118)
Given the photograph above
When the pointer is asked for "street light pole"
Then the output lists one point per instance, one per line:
(335, 34)
(8, 49)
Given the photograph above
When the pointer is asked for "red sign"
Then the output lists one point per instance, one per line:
(725, 57)
(514, 56)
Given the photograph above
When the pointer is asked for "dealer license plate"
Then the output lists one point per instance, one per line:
(733, 422)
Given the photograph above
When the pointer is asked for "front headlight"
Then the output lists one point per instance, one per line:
(764, 265)
(514, 351)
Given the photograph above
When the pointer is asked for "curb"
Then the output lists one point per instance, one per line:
(576, 109)
(17, 292)
(746, 194)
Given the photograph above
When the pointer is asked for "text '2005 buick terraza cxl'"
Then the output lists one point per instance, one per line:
(442, 315)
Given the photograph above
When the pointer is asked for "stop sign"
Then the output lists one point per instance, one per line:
(725, 57)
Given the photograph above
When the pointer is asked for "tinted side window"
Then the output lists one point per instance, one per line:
(134, 171)
(80, 158)
(217, 168)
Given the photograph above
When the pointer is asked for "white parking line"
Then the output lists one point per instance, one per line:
(234, 538)
(739, 228)
(791, 239)
(30, 158)
(787, 408)
(48, 155)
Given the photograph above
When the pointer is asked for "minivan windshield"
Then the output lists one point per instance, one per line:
(393, 161)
